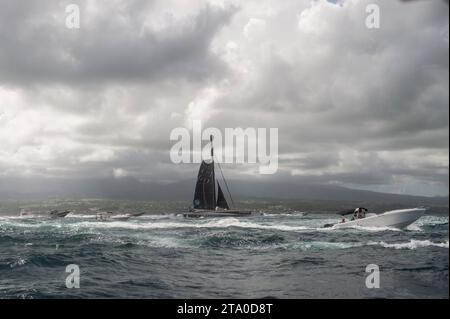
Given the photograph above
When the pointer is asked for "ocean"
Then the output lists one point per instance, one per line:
(282, 253)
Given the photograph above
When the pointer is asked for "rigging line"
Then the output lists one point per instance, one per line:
(226, 184)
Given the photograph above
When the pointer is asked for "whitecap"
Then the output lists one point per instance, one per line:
(432, 220)
(412, 244)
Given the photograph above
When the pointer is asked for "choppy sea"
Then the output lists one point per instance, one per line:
(278, 254)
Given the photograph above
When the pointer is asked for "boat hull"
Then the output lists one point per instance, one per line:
(218, 213)
(396, 218)
(57, 214)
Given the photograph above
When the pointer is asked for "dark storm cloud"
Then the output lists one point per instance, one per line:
(116, 46)
(353, 106)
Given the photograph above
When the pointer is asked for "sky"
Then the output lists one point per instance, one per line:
(357, 107)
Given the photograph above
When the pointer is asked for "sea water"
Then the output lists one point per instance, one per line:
(164, 255)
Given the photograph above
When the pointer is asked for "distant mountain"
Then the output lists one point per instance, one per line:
(132, 189)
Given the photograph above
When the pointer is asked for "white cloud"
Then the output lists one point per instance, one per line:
(120, 172)
(201, 107)
(98, 156)
(254, 28)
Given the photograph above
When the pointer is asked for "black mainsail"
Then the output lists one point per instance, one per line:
(204, 197)
(205, 189)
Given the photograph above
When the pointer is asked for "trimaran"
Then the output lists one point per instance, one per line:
(207, 201)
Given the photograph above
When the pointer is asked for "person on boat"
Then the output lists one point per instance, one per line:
(359, 213)
(362, 212)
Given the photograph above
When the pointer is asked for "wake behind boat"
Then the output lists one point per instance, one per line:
(116, 216)
(400, 218)
(206, 203)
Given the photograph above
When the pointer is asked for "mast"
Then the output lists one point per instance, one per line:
(213, 173)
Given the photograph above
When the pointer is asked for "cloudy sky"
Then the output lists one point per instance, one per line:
(358, 107)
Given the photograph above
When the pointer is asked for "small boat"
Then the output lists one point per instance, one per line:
(400, 218)
(25, 213)
(207, 202)
(57, 214)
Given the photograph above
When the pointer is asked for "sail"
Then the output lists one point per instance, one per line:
(204, 197)
(221, 201)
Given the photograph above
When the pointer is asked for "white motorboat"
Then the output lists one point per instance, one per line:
(399, 218)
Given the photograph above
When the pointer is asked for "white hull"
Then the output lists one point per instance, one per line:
(396, 218)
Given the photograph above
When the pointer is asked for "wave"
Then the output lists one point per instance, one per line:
(89, 231)
(82, 216)
(412, 244)
(25, 217)
(220, 223)
(214, 223)
(374, 229)
(171, 222)
(431, 221)
(160, 216)
(414, 227)
(294, 213)
(17, 263)
(323, 245)
(143, 217)
(168, 242)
